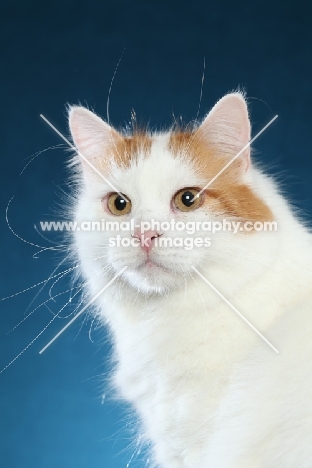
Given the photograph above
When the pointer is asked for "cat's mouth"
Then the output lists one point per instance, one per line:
(151, 265)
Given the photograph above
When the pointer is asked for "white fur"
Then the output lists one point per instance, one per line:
(209, 391)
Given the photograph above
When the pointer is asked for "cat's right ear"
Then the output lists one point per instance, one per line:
(95, 140)
(227, 129)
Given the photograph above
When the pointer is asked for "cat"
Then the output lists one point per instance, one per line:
(208, 390)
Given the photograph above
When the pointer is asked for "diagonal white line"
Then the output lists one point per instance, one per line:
(83, 157)
(235, 310)
(235, 157)
(82, 310)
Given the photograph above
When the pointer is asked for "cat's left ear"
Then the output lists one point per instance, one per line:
(227, 129)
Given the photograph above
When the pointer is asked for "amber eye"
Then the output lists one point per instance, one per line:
(118, 205)
(184, 200)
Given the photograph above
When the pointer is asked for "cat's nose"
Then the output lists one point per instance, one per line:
(147, 238)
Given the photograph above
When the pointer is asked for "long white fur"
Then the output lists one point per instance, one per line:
(208, 390)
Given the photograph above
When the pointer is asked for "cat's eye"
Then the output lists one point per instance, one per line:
(118, 205)
(184, 200)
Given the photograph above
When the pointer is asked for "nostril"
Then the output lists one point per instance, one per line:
(146, 238)
(148, 235)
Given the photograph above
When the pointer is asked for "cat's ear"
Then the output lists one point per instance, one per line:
(227, 129)
(95, 140)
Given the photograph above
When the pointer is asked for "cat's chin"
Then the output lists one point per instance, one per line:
(151, 278)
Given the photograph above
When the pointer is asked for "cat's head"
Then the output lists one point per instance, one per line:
(161, 178)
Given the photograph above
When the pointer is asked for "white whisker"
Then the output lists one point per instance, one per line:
(34, 156)
(43, 304)
(19, 237)
(31, 287)
(32, 342)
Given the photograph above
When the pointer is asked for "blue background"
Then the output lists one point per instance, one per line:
(51, 408)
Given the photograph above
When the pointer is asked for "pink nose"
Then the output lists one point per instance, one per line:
(146, 238)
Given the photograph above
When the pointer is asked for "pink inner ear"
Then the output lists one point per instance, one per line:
(92, 136)
(227, 127)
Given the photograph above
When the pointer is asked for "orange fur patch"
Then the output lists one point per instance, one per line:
(137, 143)
(226, 196)
(238, 201)
(125, 149)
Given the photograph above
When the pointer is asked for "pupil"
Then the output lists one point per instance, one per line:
(187, 198)
(120, 203)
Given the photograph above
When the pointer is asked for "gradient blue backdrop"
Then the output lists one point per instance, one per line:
(51, 410)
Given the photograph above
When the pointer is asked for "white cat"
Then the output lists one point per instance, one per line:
(209, 391)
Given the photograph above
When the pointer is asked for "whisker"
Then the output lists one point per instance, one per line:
(32, 287)
(90, 329)
(37, 336)
(201, 92)
(40, 305)
(104, 270)
(35, 155)
(29, 345)
(58, 279)
(46, 238)
(45, 283)
(111, 85)
(19, 237)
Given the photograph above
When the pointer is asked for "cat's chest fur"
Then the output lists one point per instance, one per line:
(178, 357)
